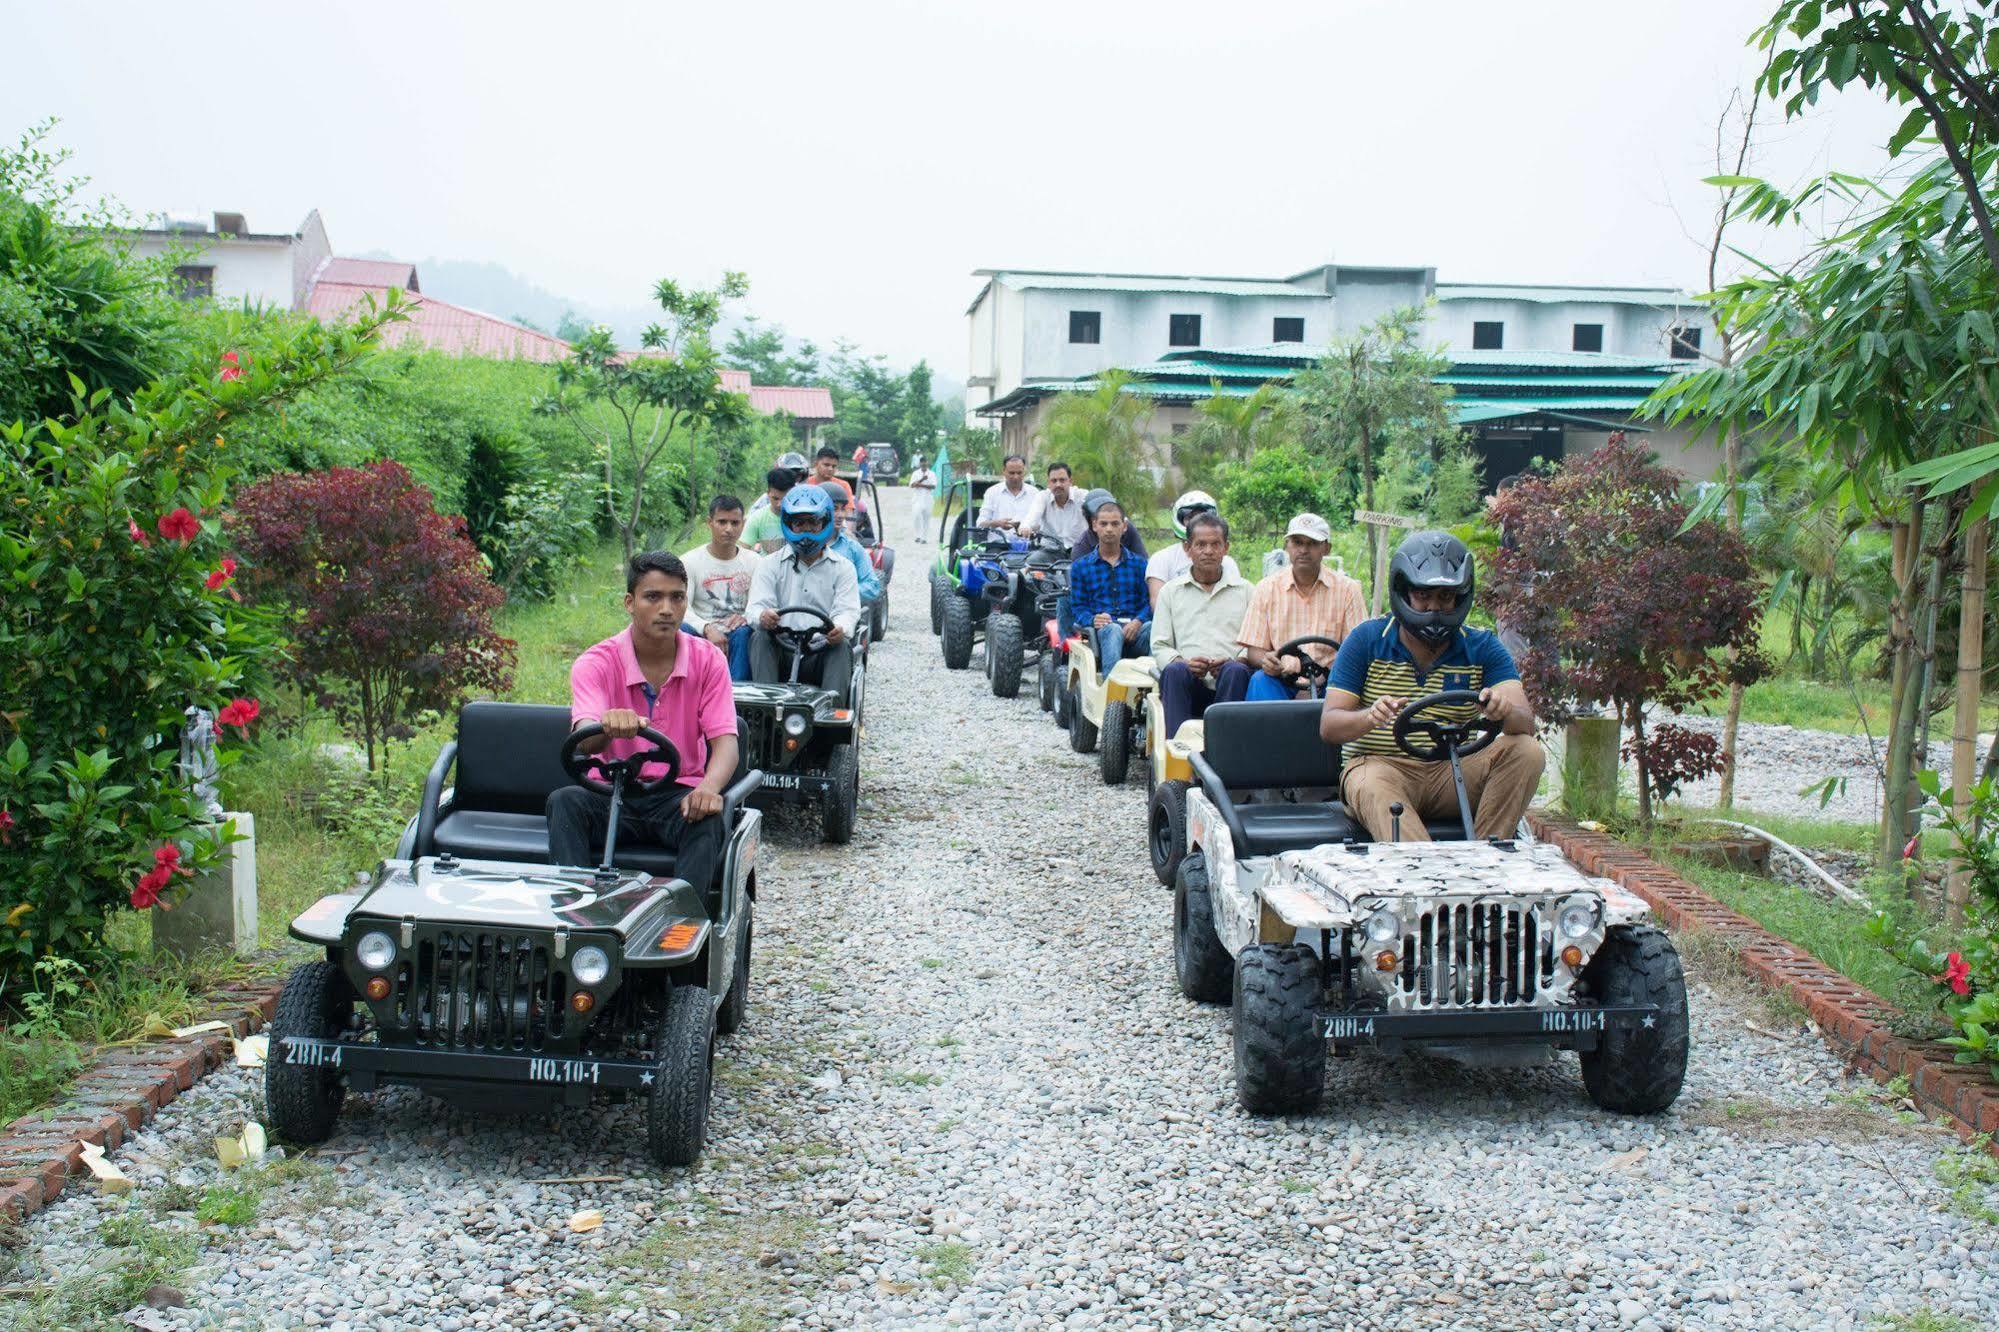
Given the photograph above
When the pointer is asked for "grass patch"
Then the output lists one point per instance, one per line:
(1972, 1176)
(717, 1270)
(947, 1264)
(1845, 1118)
(1924, 1319)
(905, 1078)
(228, 1205)
(138, 1253)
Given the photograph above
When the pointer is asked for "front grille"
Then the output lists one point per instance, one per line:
(477, 990)
(1477, 955)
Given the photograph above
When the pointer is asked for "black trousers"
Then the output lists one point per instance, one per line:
(577, 820)
(832, 669)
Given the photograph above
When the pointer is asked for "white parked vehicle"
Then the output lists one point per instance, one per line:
(1497, 952)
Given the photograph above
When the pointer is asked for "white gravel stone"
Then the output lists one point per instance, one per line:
(1029, 1127)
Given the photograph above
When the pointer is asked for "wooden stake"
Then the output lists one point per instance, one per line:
(1964, 733)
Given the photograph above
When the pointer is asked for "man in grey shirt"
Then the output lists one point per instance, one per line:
(805, 573)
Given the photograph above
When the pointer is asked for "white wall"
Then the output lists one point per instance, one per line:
(1696, 455)
(1628, 330)
(1135, 326)
(258, 271)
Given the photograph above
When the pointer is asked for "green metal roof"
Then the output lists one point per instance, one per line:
(1645, 383)
(1479, 291)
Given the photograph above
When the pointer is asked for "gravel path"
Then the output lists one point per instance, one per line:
(1776, 764)
(969, 1094)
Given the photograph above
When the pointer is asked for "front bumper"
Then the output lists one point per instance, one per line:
(1572, 1028)
(795, 788)
(367, 1065)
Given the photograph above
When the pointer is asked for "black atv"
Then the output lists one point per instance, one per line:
(472, 969)
(807, 738)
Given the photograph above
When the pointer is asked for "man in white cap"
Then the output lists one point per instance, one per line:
(1306, 597)
(922, 485)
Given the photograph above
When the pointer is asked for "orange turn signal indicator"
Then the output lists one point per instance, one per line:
(377, 988)
(1572, 957)
(677, 938)
(583, 1001)
(1384, 960)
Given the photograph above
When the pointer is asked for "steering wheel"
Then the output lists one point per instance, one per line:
(800, 640)
(1309, 668)
(1480, 730)
(580, 766)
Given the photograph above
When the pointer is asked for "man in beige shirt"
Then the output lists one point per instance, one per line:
(1195, 627)
(1307, 597)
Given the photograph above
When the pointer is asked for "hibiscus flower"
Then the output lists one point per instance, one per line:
(222, 575)
(138, 533)
(230, 370)
(1956, 974)
(180, 525)
(146, 892)
(239, 712)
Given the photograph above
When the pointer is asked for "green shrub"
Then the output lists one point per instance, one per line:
(116, 614)
(1265, 491)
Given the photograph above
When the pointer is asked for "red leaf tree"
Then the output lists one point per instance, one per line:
(395, 611)
(1617, 604)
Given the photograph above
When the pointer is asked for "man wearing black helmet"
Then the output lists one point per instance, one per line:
(1424, 648)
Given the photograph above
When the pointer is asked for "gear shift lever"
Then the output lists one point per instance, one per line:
(1395, 821)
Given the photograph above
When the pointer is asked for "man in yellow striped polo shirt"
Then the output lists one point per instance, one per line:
(1425, 648)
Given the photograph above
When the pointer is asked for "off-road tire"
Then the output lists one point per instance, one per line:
(1065, 704)
(957, 632)
(840, 807)
(1200, 963)
(736, 1003)
(1005, 652)
(1638, 1070)
(1082, 731)
(1048, 680)
(939, 590)
(1114, 759)
(881, 617)
(1280, 1057)
(1166, 829)
(303, 1103)
(683, 1077)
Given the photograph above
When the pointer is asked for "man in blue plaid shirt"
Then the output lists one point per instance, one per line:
(1107, 593)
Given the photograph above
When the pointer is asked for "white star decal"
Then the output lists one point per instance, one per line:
(645, 1078)
(1648, 1022)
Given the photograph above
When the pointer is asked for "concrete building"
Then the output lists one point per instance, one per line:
(219, 258)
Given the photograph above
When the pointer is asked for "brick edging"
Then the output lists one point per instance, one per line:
(125, 1086)
(1854, 1020)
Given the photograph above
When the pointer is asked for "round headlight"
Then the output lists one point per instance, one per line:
(794, 723)
(1384, 927)
(1577, 920)
(375, 951)
(590, 965)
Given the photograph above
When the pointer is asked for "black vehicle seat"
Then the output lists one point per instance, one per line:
(1275, 746)
(508, 763)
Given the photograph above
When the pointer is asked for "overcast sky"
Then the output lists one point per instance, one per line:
(859, 159)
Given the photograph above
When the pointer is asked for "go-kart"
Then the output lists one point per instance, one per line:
(1495, 953)
(869, 530)
(1169, 773)
(470, 968)
(953, 533)
(1048, 574)
(1106, 715)
(807, 738)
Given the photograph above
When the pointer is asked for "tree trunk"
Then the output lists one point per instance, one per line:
(1906, 677)
(1964, 732)
(1637, 715)
(1376, 546)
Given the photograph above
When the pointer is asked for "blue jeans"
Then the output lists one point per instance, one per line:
(1264, 687)
(738, 650)
(1112, 648)
(1065, 624)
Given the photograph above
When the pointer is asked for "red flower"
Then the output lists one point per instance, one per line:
(1909, 850)
(6, 826)
(168, 855)
(239, 712)
(222, 575)
(180, 525)
(147, 891)
(230, 370)
(138, 533)
(1956, 974)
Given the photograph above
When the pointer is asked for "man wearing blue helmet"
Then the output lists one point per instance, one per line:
(804, 573)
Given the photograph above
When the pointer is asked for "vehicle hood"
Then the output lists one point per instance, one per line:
(504, 895)
(750, 694)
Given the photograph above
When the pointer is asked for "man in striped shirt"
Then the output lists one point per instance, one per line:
(1424, 648)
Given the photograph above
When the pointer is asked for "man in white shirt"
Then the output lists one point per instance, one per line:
(1012, 503)
(805, 573)
(718, 585)
(1060, 512)
(1175, 560)
(1195, 625)
(922, 485)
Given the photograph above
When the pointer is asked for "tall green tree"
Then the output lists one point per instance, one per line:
(920, 415)
(1230, 430)
(1374, 399)
(630, 406)
(868, 398)
(761, 349)
(1101, 435)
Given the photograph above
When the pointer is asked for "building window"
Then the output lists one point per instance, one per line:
(1287, 330)
(1685, 342)
(195, 282)
(1488, 335)
(1183, 330)
(1086, 326)
(1589, 337)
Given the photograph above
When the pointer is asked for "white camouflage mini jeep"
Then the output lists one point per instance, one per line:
(1495, 953)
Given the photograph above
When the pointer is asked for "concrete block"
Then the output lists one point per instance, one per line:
(219, 910)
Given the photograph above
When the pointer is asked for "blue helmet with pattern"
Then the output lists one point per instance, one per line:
(806, 502)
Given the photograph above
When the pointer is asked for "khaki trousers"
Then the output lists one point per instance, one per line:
(1499, 782)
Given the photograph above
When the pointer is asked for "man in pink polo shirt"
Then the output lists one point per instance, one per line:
(652, 674)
